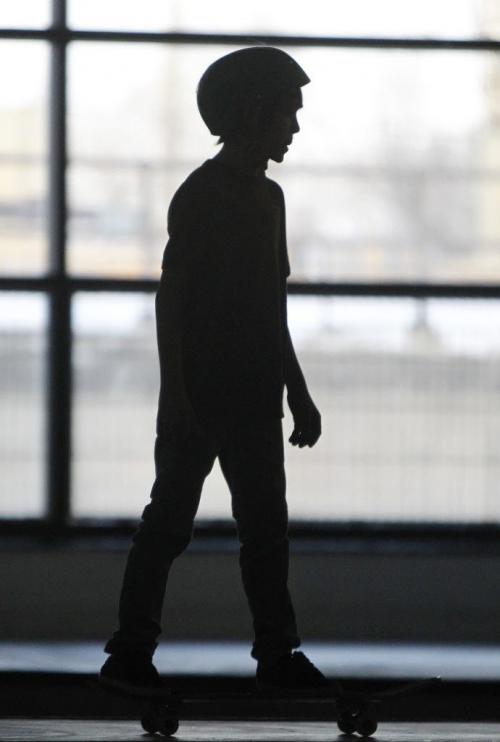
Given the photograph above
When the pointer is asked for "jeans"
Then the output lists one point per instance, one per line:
(251, 457)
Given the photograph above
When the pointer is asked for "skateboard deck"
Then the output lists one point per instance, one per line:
(355, 711)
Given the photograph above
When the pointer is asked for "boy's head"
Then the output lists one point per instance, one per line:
(253, 94)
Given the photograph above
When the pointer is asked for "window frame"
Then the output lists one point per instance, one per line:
(59, 287)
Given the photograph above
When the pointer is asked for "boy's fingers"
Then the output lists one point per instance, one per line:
(313, 441)
(307, 434)
(299, 438)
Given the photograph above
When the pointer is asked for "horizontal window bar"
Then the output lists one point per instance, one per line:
(416, 290)
(54, 283)
(66, 35)
(149, 285)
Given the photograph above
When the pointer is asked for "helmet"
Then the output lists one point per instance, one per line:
(241, 78)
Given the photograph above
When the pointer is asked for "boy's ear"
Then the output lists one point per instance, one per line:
(253, 117)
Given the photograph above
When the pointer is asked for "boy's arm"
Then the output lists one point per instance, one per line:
(306, 417)
(176, 412)
(169, 326)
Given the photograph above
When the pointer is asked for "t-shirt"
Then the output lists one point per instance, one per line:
(227, 232)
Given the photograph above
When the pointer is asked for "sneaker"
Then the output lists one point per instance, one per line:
(134, 674)
(293, 672)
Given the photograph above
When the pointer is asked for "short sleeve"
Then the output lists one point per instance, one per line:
(187, 230)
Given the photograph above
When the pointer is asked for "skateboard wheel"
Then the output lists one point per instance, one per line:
(366, 726)
(150, 723)
(168, 727)
(346, 723)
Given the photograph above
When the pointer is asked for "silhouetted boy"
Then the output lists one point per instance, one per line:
(225, 357)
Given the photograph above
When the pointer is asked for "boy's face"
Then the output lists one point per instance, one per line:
(281, 126)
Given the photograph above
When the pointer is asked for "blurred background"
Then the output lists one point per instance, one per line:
(392, 190)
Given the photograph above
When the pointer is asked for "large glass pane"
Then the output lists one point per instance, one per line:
(124, 15)
(395, 175)
(24, 14)
(135, 134)
(23, 158)
(115, 393)
(116, 389)
(408, 393)
(23, 323)
(428, 18)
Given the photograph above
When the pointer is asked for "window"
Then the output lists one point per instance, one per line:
(134, 136)
(23, 332)
(25, 14)
(23, 158)
(116, 383)
(441, 19)
(392, 190)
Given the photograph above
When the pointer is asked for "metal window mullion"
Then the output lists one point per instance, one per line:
(385, 289)
(59, 333)
(237, 39)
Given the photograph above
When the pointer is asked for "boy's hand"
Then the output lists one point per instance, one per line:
(307, 421)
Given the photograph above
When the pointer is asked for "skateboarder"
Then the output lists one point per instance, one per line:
(225, 357)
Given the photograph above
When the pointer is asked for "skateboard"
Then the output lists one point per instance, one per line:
(354, 711)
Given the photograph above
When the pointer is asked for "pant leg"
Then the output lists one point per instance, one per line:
(252, 461)
(164, 532)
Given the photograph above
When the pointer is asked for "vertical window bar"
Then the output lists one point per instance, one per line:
(59, 346)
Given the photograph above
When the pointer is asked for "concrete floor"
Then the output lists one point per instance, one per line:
(62, 730)
(356, 661)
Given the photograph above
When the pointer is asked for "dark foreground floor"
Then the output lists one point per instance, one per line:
(230, 731)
